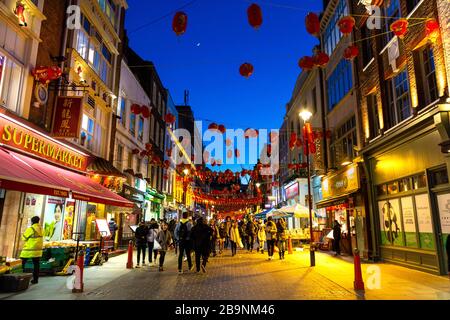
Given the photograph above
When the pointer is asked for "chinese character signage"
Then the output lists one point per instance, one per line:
(68, 114)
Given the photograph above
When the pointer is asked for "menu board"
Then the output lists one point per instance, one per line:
(103, 228)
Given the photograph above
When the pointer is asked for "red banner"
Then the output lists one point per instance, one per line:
(67, 123)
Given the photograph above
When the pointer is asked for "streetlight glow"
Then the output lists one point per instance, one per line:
(305, 115)
(258, 185)
(186, 171)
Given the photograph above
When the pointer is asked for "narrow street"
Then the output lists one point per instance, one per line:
(247, 276)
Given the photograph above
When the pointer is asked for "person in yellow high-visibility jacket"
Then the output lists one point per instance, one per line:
(34, 242)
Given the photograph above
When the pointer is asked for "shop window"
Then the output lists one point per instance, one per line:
(439, 177)
(53, 219)
(425, 224)
(409, 222)
(420, 181)
(405, 185)
(391, 222)
(382, 190)
(94, 211)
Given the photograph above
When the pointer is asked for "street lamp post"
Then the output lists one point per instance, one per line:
(306, 115)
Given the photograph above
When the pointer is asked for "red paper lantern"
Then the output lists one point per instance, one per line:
(46, 74)
(169, 118)
(351, 52)
(400, 27)
(306, 63)
(135, 151)
(213, 126)
(255, 17)
(432, 30)
(246, 70)
(179, 23)
(222, 129)
(321, 59)
(346, 25)
(136, 109)
(312, 24)
(145, 112)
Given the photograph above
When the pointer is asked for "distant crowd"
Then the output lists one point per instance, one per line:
(207, 239)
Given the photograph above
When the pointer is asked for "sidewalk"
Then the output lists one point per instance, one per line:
(396, 282)
(55, 288)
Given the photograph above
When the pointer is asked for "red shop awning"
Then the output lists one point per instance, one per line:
(18, 175)
(82, 187)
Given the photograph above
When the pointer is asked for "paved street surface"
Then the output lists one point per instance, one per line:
(245, 276)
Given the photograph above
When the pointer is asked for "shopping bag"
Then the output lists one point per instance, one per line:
(330, 235)
(156, 246)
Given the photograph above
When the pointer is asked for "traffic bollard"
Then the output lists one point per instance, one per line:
(358, 284)
(130, 255)
(79, 285)
(290, 245)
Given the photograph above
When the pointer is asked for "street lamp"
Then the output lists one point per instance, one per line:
(306, 115)
(258, 185)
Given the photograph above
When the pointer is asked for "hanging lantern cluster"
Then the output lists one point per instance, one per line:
(321, 59)
(400, 27)
(346, 25)
(312, 23)
(432, 30)
(255, 16)
(169, 118)
(351, 52)
(306, 63)
(246, 70)
(297, 166)
(179, 23)
(144, 110)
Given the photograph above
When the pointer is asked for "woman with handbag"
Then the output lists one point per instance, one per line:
(163, 240)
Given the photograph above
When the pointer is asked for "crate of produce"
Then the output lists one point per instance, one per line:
(15, 282)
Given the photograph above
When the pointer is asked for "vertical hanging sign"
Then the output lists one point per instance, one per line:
(67, 123)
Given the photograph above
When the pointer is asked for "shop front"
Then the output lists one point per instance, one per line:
(412, 202)
(344, 202)
(155, 209)
(294, 192)
(136, 213)
(40, 176)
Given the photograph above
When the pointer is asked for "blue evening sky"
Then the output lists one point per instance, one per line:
(206, 59)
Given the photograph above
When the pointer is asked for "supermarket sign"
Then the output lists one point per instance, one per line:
(21, 137)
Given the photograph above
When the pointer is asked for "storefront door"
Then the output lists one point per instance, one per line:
(443, 206)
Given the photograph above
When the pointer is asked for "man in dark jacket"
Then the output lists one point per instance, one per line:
(141, 242)
(201, 237)
(251, 233)
(183, 238)
(337, 238)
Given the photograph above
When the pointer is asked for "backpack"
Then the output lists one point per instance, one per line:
(182, 231)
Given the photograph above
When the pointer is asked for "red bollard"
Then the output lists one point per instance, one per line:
(290, 245)
(358, 284)
(130, 255)
(79, 281)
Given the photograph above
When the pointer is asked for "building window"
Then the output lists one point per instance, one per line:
(123, 111)
(332, 33)
(426, 76)
(10, 83)
(374, 118)
(87, 132)
(132, 124)
(399, 101)
(392, 12)
(110, 9)
(130, 160)
(120, 157)
(141, 129)
(339, 83)
(138, 166)
(345, 139)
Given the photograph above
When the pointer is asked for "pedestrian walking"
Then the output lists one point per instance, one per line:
(141, 242)
(172, 225)
(281, 237)
(261, 236)
(164, 239)
(32, 249)
(214, 236)
(251, 234)
(242, 233)
(222, 236)
(271, 232)
(183, 237)
(235, 238)
(201, 238)
(153, 229)
(336, 238)
(228, 225)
